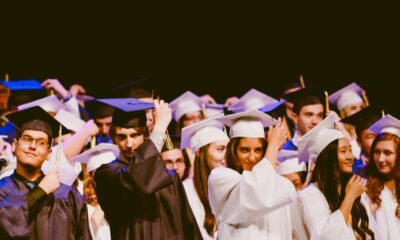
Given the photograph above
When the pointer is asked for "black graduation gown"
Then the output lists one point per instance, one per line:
(59, 215)
(142, 201)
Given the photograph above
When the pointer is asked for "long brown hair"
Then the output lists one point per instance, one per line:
(231, 153)
(376, 180)
(202, 170)
(327, 175)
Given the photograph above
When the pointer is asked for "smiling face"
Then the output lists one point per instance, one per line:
(31, 149)
(385, 156)
(308, 117)
(345, 157)
(249, 152)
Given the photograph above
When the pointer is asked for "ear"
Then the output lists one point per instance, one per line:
(49, 154)
(14, 144)
(197, 153)
(295, 118)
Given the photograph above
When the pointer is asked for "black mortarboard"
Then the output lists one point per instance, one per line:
(305, 96)
(128, 112)
(364, 118)
(36, 118)
(23, 91)
(98, 109)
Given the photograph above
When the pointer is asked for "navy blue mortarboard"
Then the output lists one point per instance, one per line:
(275, 110)
(36, 118)
(22, 85)
(128, 112)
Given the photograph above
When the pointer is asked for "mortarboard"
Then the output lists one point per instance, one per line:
(252, 100)
(275, 110)
(289, 162)
(364, 118)
(350, 94)
(388, 124)
(314, 141)
(102, 153)
(98, 109)
(128, 112)
(247, 124)
(49, 104)
(305, 96)
(202, 133)
(36, 118)
(213, 109)
(69, 120)
(22, 85)
(185, 103)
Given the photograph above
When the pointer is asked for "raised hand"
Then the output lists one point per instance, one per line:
(162, 115)
(50, 182)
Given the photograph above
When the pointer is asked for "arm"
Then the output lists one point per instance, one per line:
(319, 221)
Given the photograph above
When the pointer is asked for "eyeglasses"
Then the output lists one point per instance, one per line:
(41, 142)
(170, 163)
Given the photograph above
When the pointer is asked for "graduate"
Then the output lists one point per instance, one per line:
(248, 198)
(308, 111)
(209, 142)
(382, 200)
(361, 121)
(35, 206)
(330, 206)
(140, 199)
(251, 100)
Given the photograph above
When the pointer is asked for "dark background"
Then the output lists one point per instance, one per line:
(205, 47)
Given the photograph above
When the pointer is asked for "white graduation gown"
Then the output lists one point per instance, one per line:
(385, 223)
(320, 222)
(197, 208)
(254, 205)
(102, 232)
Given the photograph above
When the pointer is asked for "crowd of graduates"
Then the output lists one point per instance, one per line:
(309, 165)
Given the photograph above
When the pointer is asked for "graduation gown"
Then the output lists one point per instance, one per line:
(320, 222)
(386, 225)
(252, 205)
(142, 201)
(197, 208)
(27, 214)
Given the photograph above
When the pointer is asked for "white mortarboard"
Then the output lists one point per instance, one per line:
(69, 120)
(252, 100)
(351, 94)
(103, 153)
(202, 133)
(185, 103)
(288, 162)
(247, 124)
(314, 141)
(213, 109)
(388, 124)
(49, 104)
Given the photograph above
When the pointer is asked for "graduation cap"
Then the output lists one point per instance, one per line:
(102, 153)
(275, 110)
(173, 142)
(305, 96)
(247, 124)
(69, 120)
(98, 109)
(49, 104)
(202, 133)
(252, 100)
(388, 124)
(314, 141)
(348, 95)
(185, 103)
(364, 118)
(128, 112)
(288, 162)
(36, 118)
(22, 85)
(213, 109)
